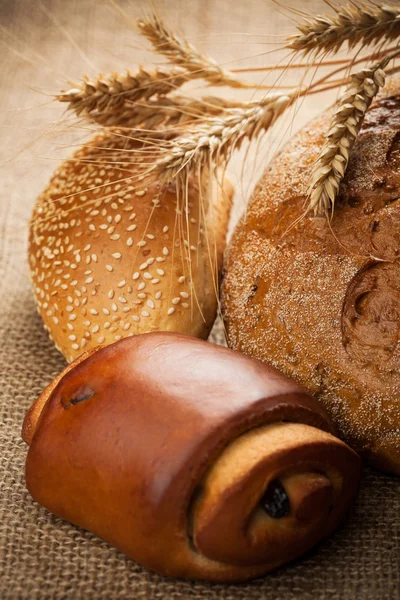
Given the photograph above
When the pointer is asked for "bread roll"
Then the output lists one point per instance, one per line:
(194, 460)
(321, 301)
(113, 254)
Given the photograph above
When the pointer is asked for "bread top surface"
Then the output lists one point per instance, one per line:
(127, 436)
(321, 301)
(113, 253)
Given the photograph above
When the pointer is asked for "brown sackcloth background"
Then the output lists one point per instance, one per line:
(41, 557)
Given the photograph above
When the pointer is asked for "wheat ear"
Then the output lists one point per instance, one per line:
(111, 92)
(215, 138)
(354, 23)
(332, 162)
(180, 52)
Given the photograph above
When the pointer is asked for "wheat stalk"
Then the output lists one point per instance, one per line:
(214, 138)
(180, 52)
(355, 23)
(330, 167)
(110, 93)
(164, 114)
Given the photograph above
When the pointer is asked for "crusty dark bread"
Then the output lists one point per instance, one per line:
(194, 460)
(321, 302)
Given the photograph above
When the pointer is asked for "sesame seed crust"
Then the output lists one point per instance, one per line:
(107, 261)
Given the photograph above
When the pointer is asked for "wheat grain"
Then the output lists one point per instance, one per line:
(111, 92)
(164, 114)
(180, 52)
(332, 162)
(215, 138)
(361, 22)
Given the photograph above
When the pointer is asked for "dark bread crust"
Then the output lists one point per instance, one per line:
(322, 302)
(128, 438)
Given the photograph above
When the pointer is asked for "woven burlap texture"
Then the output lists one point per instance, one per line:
(44, 557)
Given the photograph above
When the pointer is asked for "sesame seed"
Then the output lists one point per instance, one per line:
(142, 295)
(83, 342)
(150, 261)
(72, 317)
(150, 303)
(141, 244)
(114, 237)
(171, 311)
(89, 280)
(106, 311)
(140, 193)
(135, 275)
(184, 294)
(185, 305)
(100, 339)
(93, 311)
(117, 338)
(155, 281)
(95, 329)
(109, 268)
(129, 242)
(143, 266)
(176, 300)
(94, 257)
(107, 324)
(165, 229)
(141, 286)
(165, 251)
(150, 236)
(86, 323)
(69, 308)
(144, 313)
(160, 272)
(135, 318)
(111, 294)
(147, 275)
(160, 259)
(114, 307)
(117, 218)
(158, 295)
(122, 283)
(126, 326)
(131, 227)
(122, 299)
(116, 255)
(70, 327)
(181, 279)
(55, 320)
(75, 346)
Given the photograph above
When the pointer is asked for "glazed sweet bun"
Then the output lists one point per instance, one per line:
(194, 460)
(321, 301)
(113, 253)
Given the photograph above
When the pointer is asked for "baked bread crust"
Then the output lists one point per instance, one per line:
(321, 301)
(114, 254)
(165, 445)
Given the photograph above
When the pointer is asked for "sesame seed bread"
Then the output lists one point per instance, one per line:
(194, 460)
(113, 253)
(321, 301)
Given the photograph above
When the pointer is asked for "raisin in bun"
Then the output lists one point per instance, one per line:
(113, 254)
(321, 301)
(194, 460)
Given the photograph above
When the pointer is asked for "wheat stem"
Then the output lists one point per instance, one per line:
(180, 52)
(330, 167)
(357, 22)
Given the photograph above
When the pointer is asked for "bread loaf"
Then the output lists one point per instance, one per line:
(113, 253)
(321, 300)
(194, 460)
